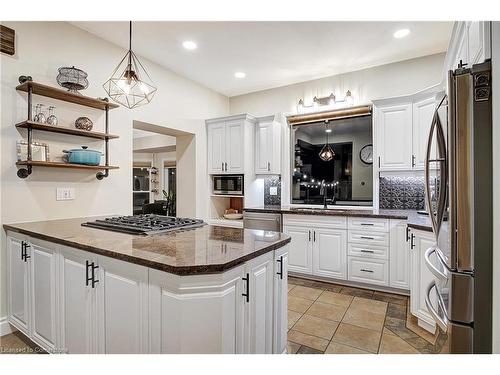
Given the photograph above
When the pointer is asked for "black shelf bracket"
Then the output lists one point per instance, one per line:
(101, 175)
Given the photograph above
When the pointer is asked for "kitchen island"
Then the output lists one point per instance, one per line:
(77, 289)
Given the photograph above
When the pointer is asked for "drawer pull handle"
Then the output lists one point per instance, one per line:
(367, 238)
(367, 251)
(368, 224)
(363, 270)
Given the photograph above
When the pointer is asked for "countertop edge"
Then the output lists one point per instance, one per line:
(179, 271)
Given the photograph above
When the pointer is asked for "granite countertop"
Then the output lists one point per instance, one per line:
(415, 220)
(206, 250)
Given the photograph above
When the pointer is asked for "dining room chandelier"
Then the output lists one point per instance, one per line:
(130, 84)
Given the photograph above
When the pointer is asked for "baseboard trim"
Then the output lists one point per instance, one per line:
(5, 327)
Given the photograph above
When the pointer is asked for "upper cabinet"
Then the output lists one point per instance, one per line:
(267, 146)
(227, 144)
(394, 129)
(401, 130)
(469, 43)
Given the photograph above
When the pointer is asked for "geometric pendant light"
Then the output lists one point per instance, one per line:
(130, 84)
(327, 153)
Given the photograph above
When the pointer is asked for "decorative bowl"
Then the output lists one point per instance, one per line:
(84, 123)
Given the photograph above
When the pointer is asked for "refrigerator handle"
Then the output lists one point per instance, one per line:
(428, 193)
(441, 321)
(434, 270)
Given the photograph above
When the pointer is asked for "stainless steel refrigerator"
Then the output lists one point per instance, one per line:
(458, 174)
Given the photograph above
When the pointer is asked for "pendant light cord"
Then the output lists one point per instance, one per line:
(130, 36)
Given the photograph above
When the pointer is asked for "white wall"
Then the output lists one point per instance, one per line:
(406, 77)
(41, 48)
(495, 59)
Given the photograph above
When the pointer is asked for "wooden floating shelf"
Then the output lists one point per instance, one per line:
(64, 130)
(55, 164)
(67, 96)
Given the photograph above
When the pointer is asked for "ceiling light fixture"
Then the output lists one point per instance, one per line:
(240, 75)
(130, 85)
(189, 45)
(325, 101)
(327, 153)
(401, 33)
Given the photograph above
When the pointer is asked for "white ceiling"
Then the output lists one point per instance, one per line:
(272, 54)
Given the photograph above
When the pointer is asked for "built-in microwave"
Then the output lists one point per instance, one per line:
(228, 184)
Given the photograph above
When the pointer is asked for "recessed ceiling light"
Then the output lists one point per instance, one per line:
(240, 75)
(189, 44)
(328, 130)
(401, 33)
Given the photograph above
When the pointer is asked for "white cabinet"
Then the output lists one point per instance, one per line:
(259, 280)
(329, 253)
(267, 146)
(43, 293)
(122, 307)
(280, 318)
(77, 302)
(394, 136)
(235, 150)
(399, 255)
(300, 255)
(423, 112)
(18, 282)
(319, 245)
(216, 147)
(478, 41)
(421, 277)
(229, 143)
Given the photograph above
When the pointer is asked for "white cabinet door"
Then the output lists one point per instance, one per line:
(43, 293)
(477, 41)
(421, 277)
(234, 147)
(259, 308)
(330, 253)
(394, 129)
(18, 283)
(463, 50)
(216, 134)
(399, 255)
(300, 255)
(280, 300)
(268, 147)
(76, 303)
(263, 147)
(423, 111)
(122, 307)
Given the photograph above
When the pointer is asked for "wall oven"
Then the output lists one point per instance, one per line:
(227, 184)
(458, 174)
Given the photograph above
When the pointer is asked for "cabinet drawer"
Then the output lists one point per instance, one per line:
(316, 221)
(368, 251)
(372, 271)
(368, 238)
(368, 223)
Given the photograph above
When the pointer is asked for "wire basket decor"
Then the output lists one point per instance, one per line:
(72, 78)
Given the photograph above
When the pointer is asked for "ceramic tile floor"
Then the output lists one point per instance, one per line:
(326, 318)
(331, 319)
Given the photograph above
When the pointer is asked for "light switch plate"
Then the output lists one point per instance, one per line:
(273, 190)
(65, 194)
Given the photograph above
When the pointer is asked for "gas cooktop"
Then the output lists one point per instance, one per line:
(144, 224)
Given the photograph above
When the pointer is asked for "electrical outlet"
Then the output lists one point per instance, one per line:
(65, 194)
(273, 190)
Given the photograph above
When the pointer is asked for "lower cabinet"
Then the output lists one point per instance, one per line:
(103, 304)
(43, 287)
(300, 256)
(420, 241)
(280, 311)
(329, 249)
(71, 301)
(399, 255)
(370, 271)
(18, 281)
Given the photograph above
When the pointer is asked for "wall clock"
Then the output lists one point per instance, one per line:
(366, 154)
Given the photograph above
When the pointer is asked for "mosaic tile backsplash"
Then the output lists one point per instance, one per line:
(402, 193)
(272, 200)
